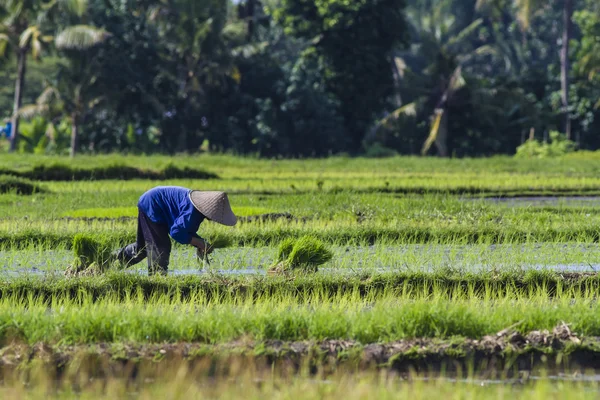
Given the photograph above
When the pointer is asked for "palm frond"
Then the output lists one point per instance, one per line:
(4, 41)
(433, 133)
(457, 82)
(462, 35)
(400, 65)
(76, 7)
(51, 131)
(31, 111)
(94, 102)
(407, 109)
(49, 94)
(525, 10)
(80, 37)
(28, 35)
(36, 49)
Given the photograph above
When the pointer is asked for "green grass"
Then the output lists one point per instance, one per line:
(45, 236)
(132, 212)
(219, 288)
(66, 172)
(344, 217)
(18, 186)
(346, 316)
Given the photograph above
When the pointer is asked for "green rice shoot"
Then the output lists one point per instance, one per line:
(304, 254)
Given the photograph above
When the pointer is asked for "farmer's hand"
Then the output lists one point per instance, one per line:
(203, 252)
(203, 248)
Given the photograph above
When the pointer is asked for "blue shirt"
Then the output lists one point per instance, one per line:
(7, 129)
(172, 206)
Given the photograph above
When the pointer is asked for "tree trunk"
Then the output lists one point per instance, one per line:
(396, 74)
(74, 135)
(250, 11)
(565, 67)
(18, 100)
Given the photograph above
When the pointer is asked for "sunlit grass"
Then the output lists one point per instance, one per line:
(348, 315)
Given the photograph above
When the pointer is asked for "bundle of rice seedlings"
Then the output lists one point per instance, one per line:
(92, 255)
(219, 241)
(304, 254)
(285, 249)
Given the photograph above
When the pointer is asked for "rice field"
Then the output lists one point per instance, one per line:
(470, 278)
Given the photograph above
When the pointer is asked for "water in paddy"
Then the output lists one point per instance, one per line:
(351, 259)
(544, 200)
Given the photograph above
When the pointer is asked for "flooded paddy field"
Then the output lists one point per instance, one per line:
(558, 257)
(451, 282)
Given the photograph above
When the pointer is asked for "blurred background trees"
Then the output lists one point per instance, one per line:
(299, 78)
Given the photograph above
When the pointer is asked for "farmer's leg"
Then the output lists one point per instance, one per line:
(135, 252)
(158, 246)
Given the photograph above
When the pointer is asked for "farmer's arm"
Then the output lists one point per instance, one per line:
(183, 231)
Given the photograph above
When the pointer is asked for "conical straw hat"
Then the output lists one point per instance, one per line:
(214, 206)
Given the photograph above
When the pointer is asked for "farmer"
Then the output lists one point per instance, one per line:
(6, 129)
(175, 211)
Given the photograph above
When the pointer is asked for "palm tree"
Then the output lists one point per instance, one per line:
(20, 35)
(525, 10)
(22, 23)
(200, 58)
(70, 97)
(442, 55)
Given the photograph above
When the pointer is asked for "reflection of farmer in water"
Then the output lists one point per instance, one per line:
(178, 212)
(6, 129)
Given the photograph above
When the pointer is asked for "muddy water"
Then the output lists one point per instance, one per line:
(378, 258)
(544, 200)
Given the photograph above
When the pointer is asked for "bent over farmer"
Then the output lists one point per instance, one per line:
(178, 212)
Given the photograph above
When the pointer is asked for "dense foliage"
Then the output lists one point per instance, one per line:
(298, 78)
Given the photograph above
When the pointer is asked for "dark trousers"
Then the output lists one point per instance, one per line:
(152, 242)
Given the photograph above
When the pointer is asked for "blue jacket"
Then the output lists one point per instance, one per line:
(172, 206)
(7, 130)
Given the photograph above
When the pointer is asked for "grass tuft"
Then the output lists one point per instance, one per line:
(62, 172)
(12, 184)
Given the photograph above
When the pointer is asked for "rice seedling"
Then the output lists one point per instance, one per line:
(444, 283)
(304, 255)
(285, 249)
(92, 255)
(382, 318)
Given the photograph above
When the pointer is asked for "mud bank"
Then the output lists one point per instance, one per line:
(504, 355)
